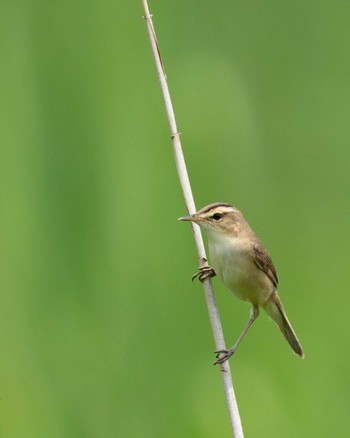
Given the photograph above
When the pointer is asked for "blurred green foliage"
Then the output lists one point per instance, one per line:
(102, 333)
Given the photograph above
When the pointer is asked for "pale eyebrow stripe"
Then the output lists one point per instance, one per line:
(212, 206)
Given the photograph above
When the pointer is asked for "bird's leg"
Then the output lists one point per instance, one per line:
(205, 271)
(223, 355)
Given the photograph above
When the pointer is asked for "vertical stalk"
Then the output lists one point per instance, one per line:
(187, 192)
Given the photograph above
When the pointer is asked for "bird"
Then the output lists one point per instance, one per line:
(240, 260)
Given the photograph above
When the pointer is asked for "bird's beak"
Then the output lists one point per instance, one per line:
(190, 218)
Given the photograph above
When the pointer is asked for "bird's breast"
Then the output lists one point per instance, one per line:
(229, 257)
(232, 260)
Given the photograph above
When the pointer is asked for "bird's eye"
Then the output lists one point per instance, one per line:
(217, 216)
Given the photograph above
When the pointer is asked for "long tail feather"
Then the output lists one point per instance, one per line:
(275, 310)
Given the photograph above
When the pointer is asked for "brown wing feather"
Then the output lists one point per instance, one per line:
(264, 262)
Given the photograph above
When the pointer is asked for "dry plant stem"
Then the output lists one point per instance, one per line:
(186, 188)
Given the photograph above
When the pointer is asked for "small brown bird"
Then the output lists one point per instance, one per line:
(243, 264)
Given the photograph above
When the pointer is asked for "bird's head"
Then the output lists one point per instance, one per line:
(217, 218)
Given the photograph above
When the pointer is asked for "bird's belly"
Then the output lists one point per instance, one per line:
(240, 274)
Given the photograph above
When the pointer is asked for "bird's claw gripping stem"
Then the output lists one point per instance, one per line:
(223, 355)
(205, 271)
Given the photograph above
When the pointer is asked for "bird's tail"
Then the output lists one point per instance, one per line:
(275, 310)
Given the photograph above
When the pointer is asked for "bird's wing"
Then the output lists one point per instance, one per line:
(263, 261)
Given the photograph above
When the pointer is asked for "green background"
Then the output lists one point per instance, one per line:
(102, 333)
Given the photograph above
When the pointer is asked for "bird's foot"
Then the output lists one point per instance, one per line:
(204, 272)
(223, 355)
